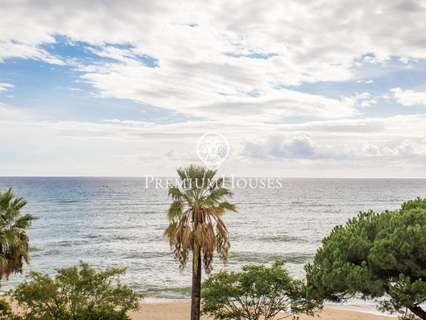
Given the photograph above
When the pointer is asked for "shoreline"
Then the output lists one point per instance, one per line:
(362, 307)
(179, 310)
(157, 305)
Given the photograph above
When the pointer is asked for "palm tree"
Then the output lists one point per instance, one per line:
(14, 241)
(196, 224)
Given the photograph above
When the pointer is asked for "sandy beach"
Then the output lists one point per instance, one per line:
(180, 311)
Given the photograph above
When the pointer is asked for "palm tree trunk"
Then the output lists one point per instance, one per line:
(196, 285)
(418, 311)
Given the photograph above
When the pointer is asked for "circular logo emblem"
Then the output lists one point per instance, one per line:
(212, 149)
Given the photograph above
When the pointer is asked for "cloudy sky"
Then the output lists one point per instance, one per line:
(299, 88)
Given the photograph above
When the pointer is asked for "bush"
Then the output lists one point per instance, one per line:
(5, 310)
(376, 255)
(258, 292)
(76, 293)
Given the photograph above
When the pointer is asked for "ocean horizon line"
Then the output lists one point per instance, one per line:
(234, 176)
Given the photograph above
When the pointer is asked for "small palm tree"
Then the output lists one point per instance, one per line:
(14, 241)
(196, 224)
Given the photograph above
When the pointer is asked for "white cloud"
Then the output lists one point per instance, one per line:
(5, 86)
(211, 60)
(409, 97)
(13, 49)
(362, 99)
(9, 113)
(209, 95)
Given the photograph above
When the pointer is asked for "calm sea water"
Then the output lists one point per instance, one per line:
(120, 222)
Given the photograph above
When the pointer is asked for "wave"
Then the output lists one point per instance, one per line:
(168, 293)
(63, 201)
(264, 257)
(69, 243)
(281, 238)
(146, 255)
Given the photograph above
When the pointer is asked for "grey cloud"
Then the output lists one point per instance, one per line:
(280, 147)
(303, 147)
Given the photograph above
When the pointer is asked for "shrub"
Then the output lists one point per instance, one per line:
(257, 292)
(376, 255)
(5, 310)
(76, 293)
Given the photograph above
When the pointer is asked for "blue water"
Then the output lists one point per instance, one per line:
(120, 222)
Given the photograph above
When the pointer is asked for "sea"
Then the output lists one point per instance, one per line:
(120, 222)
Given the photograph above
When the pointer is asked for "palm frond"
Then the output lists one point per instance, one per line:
(228, 206)
(24, 222)
(14, 242)
(175, 193)
(175, 210)
(199, 226)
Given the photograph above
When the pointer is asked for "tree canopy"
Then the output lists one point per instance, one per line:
(376, 255)
(75, 293)
(257, 292)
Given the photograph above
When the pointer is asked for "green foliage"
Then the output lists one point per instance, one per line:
(258, 292)
(14, 242)
(376, 255)
(76, 293)
(5, 310)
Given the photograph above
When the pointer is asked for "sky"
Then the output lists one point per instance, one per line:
(311, 88)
